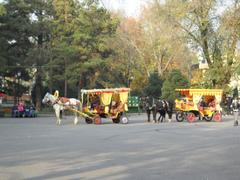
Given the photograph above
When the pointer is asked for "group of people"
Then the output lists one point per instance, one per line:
(203, 104)
(22, 110)
(114, 106)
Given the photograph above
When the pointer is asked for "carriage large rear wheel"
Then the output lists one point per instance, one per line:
(217, 117)
(116, 120)
(97, 120)
(179, 116)
(191, 117)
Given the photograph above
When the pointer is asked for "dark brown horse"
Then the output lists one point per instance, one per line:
(155, 106)
(147, 104)
(164, 107)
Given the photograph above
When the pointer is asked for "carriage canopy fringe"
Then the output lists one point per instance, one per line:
(107, 95)
(201, 92)
(101, 91)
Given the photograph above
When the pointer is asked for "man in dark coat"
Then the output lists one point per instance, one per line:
(235, 108)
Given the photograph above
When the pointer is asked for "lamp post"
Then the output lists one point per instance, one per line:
(130, 81)
(18, 85)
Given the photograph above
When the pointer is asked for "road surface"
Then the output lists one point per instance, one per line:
(36, 148)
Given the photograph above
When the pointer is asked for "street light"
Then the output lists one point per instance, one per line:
(130, 81)
(18, 85)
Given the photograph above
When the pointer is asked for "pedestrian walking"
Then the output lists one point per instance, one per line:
(235, 108)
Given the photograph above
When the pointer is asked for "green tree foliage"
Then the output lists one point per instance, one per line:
(63, 28)
(69, 45)
(2, 9)
(81, 39)
(154, 86)
(24, 33)
(15, 43)
(95, 30)
(174, 80)
(39, 54)
(58, 43)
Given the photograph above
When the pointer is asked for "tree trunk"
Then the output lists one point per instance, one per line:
(65, 88)
(50, 77)
(14, 92)
(39, 73)
(65, 79)
(38, 91)
(80, 86)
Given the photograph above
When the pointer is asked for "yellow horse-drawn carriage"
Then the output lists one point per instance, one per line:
(105, 103)
(202, 103)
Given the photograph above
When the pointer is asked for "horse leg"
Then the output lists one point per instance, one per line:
(76, 119)
(163, 115)
(169, 116)
(159, 117)
(148, 115)
(58, 116)
(61, 114)
(154, 115)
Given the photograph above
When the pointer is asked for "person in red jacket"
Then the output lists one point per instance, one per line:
(20, 108)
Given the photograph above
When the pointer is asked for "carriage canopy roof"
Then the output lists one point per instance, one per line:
(201, 92)
(103, 91)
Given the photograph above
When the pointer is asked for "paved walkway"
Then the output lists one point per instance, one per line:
(35, 148)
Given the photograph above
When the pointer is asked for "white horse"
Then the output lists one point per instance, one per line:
(62, 103)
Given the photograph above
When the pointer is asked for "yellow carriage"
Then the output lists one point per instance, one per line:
(202, 103)
(105, 103)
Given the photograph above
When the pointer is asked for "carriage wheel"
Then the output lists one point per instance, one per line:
(88, 120)
(179, 116)
(97, 120)
(124, 119)
(116, 120)
(191, 117)
(217, 117)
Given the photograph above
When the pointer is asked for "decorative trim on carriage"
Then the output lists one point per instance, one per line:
(100, 91)
(207, 92)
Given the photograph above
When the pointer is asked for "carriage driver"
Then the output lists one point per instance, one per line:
(202, 104)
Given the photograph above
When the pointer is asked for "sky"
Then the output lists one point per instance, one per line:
(133, 7)
(128, 7)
